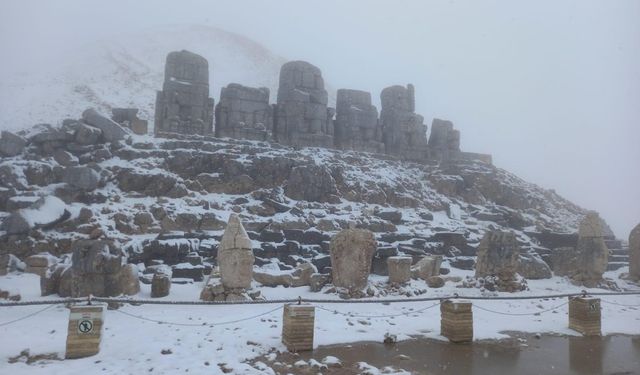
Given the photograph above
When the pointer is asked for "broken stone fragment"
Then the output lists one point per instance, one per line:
(111, 130)
(11, 144)
(235, 256)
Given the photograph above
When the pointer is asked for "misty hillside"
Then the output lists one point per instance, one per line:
(126, 71)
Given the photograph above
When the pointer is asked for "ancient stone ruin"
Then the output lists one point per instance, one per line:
(356, 126)
(128, 117)
(592, 252)
(184, 105)
(244, 113)
(498, 255)
(444, 141)
(403, 131)
(634, 253)
(302, 117)
(235, 256)
(351, 255)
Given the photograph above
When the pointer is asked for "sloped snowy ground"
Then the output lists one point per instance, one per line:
(133, 346)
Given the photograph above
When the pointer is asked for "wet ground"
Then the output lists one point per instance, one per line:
(521, 354)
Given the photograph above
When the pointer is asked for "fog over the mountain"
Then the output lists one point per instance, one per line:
(550, 88)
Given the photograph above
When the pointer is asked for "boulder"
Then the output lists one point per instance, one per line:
(311, 183)
(129, 280)
(87, 135)
(531, 266)
(390, 215)
(435, 282)
(10, 263)
(351, 255)
(161, 282)
(317, 281)
(65, 158)
(427, 267)
(564, 261)
(11, 144)
(111, 130)
(40, 263)
(634, 253)
(399, 269)
(82, 178)
(235, 257)
(15, 224)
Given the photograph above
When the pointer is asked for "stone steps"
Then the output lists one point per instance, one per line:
(620, 252)
(618, 258)
(613, 266)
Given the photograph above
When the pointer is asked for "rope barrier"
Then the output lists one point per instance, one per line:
(199, 324)
(619, 304)
(520, 314)
(407, 313)
(26, 316)
(309, 300)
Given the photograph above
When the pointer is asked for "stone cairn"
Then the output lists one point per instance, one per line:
(302, 117)
(444, 141)
(634, 253)
(244, 112)
(356, 126)
(235, 260)
(403, 131)
(351, 255)
(497, 263)
(184, 105)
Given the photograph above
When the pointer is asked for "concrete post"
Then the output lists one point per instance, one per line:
(456, 321)
(84, 331)
(585, 316)
(297, 327)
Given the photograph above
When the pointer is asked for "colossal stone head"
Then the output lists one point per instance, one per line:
(235, 257)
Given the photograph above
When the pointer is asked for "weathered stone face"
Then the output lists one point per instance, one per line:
(184, 105)
(356, 126)
(312, 183)
(244, 113)
(399, 269)
(592, 251)
(634, 253)
(235, 256)
(444, 142)
(351, 255)
(302, 116)
(498, 255)
(403, 131)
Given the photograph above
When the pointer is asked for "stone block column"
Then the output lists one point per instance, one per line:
(84, 331)
(584, 315)
(456, 321)
(399, 269)
(297, 327)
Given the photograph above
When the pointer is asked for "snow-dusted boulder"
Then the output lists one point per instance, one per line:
(44, 213)
(83, 178)
(111, 130)
(11, 144)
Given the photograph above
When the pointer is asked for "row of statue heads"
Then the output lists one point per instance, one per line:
(301, 116)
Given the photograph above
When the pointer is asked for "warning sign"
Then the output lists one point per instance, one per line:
(85, 326)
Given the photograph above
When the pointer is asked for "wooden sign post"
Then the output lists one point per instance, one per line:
(456, 321)
(584, 315)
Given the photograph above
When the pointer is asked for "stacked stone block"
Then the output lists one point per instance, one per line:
(297, 327)
(183, 105)
(356, 126)
(584, 315)
(403, 131)
(456, 321)
(444, 142)
(244, 113)
(302, 116)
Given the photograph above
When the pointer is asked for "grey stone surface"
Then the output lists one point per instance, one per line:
(128, 117)
(87, 135)
(356, 126)
(161, 282)
(403, 131)
(235, 256)
(65, 158)
(83, 178)
(244, 113)
(11, 144)
(497, 256)
(312, 183)
(111, 131)
(302, 117)
(531, 266)
(634, 253)
(427, 267)
(399, 269)
(444, 141)
(592, 252)
(183, 105)
(15, 223)
(351, 255)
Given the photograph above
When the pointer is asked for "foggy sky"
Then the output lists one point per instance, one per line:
(550, 88)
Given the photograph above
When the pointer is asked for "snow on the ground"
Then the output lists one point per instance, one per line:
(133, 346)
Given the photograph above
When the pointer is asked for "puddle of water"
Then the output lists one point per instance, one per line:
(520, 354)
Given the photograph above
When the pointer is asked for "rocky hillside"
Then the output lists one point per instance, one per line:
(167, 198)
(126, 72)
